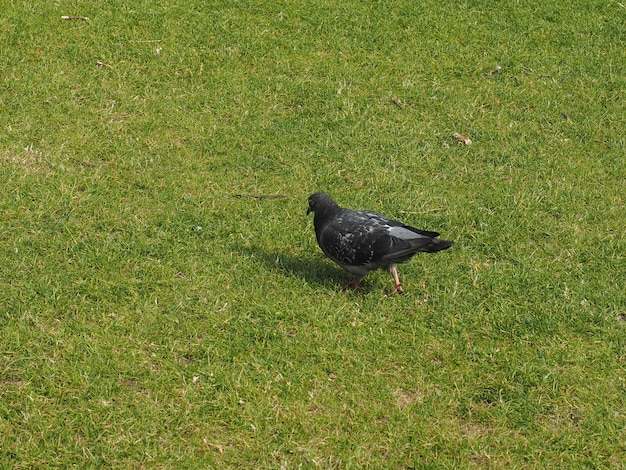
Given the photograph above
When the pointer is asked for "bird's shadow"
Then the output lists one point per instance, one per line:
(308, 267)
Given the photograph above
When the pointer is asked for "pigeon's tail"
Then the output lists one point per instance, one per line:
(438, 245)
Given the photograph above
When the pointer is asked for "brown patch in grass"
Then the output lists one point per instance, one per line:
(405, 399)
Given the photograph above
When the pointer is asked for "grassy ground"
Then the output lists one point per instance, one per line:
(153, 314)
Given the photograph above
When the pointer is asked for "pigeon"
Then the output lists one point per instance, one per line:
(363, 241)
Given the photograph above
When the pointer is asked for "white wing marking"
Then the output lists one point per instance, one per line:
(403, 233)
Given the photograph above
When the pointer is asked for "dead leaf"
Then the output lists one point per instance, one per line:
(462, 139)
(397, 102)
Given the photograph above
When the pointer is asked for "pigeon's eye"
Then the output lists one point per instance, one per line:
(311, 202)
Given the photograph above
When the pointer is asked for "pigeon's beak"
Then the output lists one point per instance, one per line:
(309, 210)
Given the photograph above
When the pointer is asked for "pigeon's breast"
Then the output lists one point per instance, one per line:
(342, 247)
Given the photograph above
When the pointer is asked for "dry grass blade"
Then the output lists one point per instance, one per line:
(75, 18)
(260, 196)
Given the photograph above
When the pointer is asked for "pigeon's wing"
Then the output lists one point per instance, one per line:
(396, 242)
(382, 220)
(359, 238)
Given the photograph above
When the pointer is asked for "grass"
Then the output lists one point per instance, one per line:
(154, 315)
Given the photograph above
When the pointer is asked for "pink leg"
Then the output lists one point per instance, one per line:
(398, 290)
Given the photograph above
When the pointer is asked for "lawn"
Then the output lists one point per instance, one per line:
(163, 301)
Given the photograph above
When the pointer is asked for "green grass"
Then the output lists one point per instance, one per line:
(150, 317)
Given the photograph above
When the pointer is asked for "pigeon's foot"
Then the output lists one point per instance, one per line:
(397, 290)
(354, 284)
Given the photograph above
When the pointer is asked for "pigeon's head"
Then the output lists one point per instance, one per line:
(320, 202)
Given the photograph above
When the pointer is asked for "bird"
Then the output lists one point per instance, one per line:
(363, 241)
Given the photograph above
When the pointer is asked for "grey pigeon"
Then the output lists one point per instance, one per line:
(362, 241)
